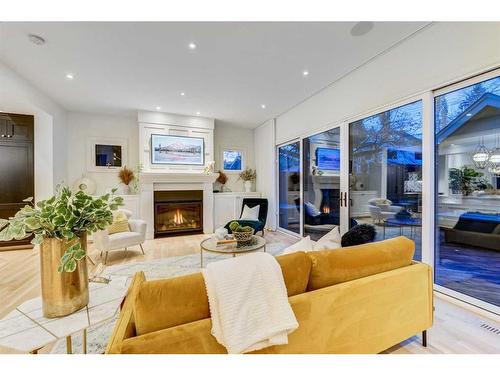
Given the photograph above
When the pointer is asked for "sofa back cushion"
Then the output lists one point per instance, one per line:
(330, 267)
(165, 303)
(171, 302)
(296, 268)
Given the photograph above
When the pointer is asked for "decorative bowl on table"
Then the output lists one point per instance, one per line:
(243, 236)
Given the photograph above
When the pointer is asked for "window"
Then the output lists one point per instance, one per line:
(232, 160)
(385, 180)
(467, 145)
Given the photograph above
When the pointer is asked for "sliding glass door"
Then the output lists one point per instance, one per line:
(385, 173)
(467, 144)
(321, 183)
(289, 187)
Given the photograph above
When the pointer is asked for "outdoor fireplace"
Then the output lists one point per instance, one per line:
(178, 212)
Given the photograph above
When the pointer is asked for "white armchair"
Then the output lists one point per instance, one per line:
(382, 209)
(105, 242)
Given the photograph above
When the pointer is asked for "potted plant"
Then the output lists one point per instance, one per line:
(242, 234)
(126, 176)
(248, 175)
(60, 226)
(222, 179)
(466, 180)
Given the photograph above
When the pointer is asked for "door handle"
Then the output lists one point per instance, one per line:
(340, 199)
(345, 199)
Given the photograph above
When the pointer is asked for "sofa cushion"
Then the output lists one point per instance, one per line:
(296, 268)
(344, 264)
(165, 303)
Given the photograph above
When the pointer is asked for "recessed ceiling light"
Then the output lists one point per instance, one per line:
(198, 113)
(70, 76)
(158, 108)
(36, 39)
(361, 28)
(183, 94)
(469, 114)
(305, 73)
(263, 106)
(192, 45)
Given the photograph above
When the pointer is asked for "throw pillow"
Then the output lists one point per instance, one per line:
(305, 244)
(250, 213)
(358, 235)
(329, 241)
(311, 209)
(120, 224)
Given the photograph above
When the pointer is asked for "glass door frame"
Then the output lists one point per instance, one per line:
(431, 96)
(344, 173)
(427, 167)
(301, 193)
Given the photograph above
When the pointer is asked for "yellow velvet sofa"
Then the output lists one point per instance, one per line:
(360, 299)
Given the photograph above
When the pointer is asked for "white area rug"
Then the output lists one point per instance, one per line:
(97, 336)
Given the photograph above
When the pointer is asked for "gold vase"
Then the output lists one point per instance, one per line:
(62, 292)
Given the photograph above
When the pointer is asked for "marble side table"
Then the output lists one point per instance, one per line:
(26, 330)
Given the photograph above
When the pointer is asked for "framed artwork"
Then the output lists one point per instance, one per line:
(173, 149)
(232, 159)
(106, 154)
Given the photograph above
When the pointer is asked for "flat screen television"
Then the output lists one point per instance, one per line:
(328, 159)
(173, 149)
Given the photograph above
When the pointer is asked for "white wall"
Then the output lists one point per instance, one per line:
(265, 163)
(437, 55)
(19, 96)
(81, 127)
(227, 135)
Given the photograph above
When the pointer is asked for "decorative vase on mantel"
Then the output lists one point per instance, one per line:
(248, 186)
(62, 292)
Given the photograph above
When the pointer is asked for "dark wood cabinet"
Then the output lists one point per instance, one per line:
(16, 165)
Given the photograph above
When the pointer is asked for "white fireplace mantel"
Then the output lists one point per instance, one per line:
(151, 182)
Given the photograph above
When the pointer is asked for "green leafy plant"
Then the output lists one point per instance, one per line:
(248, 175)
(236, 227)
(467, 180)
(65, 216)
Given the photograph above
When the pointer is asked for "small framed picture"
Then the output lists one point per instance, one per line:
(232, 159)
(106, 154)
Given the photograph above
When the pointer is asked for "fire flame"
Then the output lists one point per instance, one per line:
(326, 210)
(178, 219)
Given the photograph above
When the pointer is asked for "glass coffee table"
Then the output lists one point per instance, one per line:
(401, 222)
(210, 245)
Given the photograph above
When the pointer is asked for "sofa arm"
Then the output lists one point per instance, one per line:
(138, 226)
(125, 325)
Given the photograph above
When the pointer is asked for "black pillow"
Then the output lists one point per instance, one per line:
(358, 235)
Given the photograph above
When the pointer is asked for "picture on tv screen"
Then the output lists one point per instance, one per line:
(172, 149)
(328, 159)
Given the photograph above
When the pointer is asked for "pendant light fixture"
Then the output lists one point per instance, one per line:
(494, 160)
(481, 155)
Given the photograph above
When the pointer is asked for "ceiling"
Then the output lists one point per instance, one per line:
(120, 68)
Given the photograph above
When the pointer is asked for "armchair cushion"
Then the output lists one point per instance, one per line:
(123, 239)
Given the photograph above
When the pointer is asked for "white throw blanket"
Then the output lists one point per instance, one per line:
(248, 303)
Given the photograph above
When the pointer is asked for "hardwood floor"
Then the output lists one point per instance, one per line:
(455, 330)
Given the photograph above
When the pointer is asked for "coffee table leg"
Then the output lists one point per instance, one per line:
(69, 348)
(201, 258)
(84, 341)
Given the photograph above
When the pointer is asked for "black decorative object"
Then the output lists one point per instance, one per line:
(358, 235)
